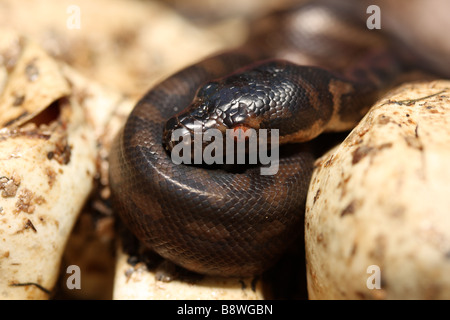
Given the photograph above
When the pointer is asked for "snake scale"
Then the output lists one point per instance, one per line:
(303, 71)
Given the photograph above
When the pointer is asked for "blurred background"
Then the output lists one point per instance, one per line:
(131, 44)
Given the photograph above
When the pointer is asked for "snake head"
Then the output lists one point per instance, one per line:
(215, 106)
(268, 95)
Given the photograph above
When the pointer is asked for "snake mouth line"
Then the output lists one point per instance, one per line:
(240, 145)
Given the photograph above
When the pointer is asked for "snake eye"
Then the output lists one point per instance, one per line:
(198, 113)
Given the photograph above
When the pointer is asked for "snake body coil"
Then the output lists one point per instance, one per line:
(216, 222)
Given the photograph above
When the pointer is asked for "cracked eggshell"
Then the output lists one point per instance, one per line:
(46, 173)
(137, 282)
(378, 206)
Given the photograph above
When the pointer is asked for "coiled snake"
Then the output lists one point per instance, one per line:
(321, 70)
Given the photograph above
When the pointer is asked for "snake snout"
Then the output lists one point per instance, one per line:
(175, 132)
(183, 129)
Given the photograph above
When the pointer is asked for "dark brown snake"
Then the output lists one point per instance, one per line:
(210, 220)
